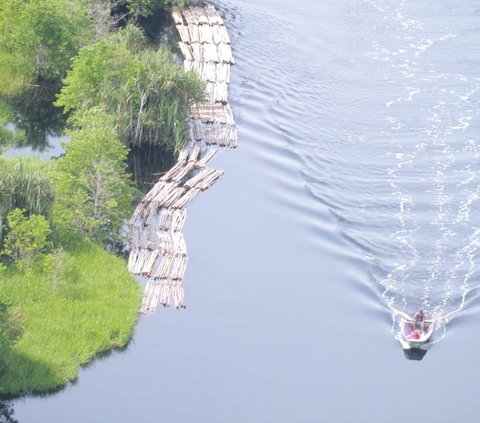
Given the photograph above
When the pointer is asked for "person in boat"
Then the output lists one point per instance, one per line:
(419, 321)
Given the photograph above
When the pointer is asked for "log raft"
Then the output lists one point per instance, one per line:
(157, 247)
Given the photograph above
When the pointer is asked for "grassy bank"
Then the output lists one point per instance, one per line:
(83, 304)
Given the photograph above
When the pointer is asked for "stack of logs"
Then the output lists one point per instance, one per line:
(205, 45)
(158, 251)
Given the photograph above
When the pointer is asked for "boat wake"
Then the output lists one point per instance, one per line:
(433, 169)
(384, 117)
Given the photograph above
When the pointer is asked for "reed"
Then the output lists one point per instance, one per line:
(24, 184)
(145, 89)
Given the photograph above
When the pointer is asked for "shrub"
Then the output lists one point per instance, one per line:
(24, 184)
(26, 237)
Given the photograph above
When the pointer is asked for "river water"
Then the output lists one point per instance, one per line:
(354, 193)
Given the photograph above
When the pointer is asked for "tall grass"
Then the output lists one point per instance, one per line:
(24, 184)
(82, 304)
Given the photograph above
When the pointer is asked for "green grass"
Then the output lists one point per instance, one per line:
(86, 306)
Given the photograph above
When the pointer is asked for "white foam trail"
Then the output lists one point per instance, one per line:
(444, 268)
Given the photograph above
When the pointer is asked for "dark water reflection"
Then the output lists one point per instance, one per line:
(146, 164)
(34, 113)
(350, 193)
(7, 413)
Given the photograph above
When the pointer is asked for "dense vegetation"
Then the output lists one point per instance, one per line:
(39, 40)
(64, 297)
(73, 305)
(143, 88)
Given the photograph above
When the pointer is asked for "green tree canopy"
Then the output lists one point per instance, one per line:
(38, 39)
(94, 195)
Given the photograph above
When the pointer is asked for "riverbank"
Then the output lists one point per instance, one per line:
(88, 307)
(70, 303)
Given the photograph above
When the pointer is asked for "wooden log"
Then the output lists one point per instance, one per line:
(139, 262)
(194, 34)
(208, 72)
(194, 153)
(148, 267)
(201, 16)
(223, 34)
(184, 171)
(197, 178)
(187, 51)
(184, 33)
(205, 34)
(180, 271)
(197, 52)
(183, 154)
(177, 17)
(179, 246)
(158, 246)
(164, 269)
(208, 182)
(132, 258)
(154, 296)
(212, 14)
(186, 16)
(178, 220)
(168, 176)
(211, 53)
(173, 196)
(146, 299)
(229, 119)
(205, 159)
(188, 196)
(224, 53)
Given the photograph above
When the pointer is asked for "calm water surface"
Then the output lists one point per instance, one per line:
(354, 192)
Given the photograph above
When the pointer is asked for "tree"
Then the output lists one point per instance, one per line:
(94, 195)
(38, 39)
(146, 91)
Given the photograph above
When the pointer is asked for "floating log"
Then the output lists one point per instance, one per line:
(194, 34)
(158, 249)
(177, 18)
(195, 152)
(222, 34)
(212, 15)
(201, 16)
(205, 159)
(205, 34)
(184, 33)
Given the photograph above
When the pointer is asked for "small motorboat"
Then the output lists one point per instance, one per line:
(415, 338)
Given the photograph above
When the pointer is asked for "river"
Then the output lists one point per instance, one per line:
(354, 191)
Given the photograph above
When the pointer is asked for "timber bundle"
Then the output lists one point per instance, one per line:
(158, 251)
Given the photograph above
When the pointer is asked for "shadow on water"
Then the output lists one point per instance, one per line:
(415, 353)
(40, 370)
(34, 113)
(7, 413)
(147, 163)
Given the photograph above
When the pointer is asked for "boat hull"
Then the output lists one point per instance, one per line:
(424, 336)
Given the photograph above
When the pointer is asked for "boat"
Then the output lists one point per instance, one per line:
(415, 338)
